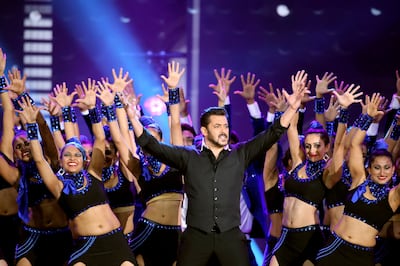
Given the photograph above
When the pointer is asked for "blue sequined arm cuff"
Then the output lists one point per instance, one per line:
(363, 122)
(55, 123)
(173, 96)
(319, 105)
(343, 116)
(109, 113)
(16, 100)
(68, 114)
(32, 131)
(330, 128)
(3, 84)
(94, 116)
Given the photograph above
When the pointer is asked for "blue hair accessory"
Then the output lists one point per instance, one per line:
(74, 141)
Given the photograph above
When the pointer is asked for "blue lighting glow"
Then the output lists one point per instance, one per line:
(109, 42)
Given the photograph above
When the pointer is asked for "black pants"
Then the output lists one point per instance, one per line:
(197, 247)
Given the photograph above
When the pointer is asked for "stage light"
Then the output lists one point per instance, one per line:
(283, 10)
(155, 106)
(375, 11)
(125, 19)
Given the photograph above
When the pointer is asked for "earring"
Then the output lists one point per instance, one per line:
(326, 157)
(61, 172)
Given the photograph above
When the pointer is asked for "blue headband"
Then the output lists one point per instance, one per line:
(77, 144)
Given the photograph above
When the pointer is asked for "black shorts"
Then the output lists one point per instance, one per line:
(156, 243)
(103, 250)
(44, 247)
(338, 251)
(297, 245)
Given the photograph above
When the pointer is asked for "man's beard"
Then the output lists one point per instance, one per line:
(216, 143)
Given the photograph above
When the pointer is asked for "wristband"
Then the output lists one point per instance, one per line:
(117, 102)
(363, 121)
(343, 116)
(32, 131)
(330, 128)
(94, 116)
(55, 123)
(277, 115)
(319, 105)
(173, 96)
(68, 114)
(3, 84)
(109, 113)
(22, 95)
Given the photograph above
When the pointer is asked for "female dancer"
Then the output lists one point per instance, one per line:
(9, 221)
(158, 231)
(80, 192)
(45, 238)
(304, 191)
(354, 237)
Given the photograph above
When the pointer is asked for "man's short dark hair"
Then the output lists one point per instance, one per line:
(205, 116)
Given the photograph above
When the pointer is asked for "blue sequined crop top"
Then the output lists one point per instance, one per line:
(310, 190)
(372, 212)
(75, 201)
(123, 193)
(337, 194)
(169, 181)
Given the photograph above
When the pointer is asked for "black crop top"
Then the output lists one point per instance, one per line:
(337, 194)
(32, 186)
(123, 193)
(372, 212)
(169, 181)
(310, 190)
(75, 201)
(275, 197)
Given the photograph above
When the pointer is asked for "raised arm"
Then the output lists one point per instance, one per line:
(98, 156)
(290, 116)
(172, 81)
(356, 160)
(64, 100)
(7, 134)
(89, 99)
(7, 171)
(333, 172)
(55, 113)
(123, 85)
(125, 154)
(224, 82)
(320, 90)
(293, 100)
(30, 113)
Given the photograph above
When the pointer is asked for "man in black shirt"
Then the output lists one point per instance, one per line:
(213, 180)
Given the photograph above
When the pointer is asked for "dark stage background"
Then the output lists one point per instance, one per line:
(357, 40)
